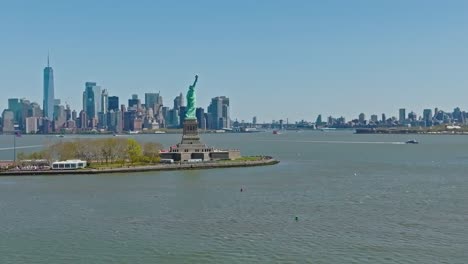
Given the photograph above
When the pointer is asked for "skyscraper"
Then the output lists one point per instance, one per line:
(104, 101)
(113, 103)
(402, 115)
(177, 103)
(362, 118)
(134, 103)
(48, 103)
(8, 118)
(182, 100)
(92, 100)
(427, 117)
(151, 99)
(200, 114)
(219, 113)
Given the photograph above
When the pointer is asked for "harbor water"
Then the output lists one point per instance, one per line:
(336, 197)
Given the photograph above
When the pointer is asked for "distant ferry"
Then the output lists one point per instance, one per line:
(159, 132)
(327, 129)
(276, 132)
(412, 141)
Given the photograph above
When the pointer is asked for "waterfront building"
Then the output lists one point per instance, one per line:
(47, 126)
(200, 114)
(384, 118)
(114, 121)
(137, 124)
(32, 125)
(129, 123)
(182, 111)
(73, 115)
(402, 116)
(341, 120)
(457, 115)
(254, 121)
(175, 120)
(319, 121)
(362, 118)
(427, 117)
(48, 98)
(83, 120)
(374, 118)
(412, 116)
(8, 121)
(60, 117)
(102, 120)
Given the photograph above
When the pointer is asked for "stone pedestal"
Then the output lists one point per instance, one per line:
(190, 132)
(191, 147)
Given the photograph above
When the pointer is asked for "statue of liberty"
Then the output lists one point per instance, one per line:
(191, 98)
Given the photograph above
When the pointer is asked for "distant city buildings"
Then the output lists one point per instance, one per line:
(103, 112)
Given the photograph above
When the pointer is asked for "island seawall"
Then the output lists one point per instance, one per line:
(159, 167)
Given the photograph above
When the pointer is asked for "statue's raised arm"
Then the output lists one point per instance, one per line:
(195, 82)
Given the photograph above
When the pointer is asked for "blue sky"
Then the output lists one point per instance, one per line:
(274, 59)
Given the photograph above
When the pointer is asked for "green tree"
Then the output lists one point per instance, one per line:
(134, 151)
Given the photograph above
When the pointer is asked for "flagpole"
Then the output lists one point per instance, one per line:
(14, 148)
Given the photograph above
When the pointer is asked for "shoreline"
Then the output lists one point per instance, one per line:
(159, 167)
(409, 131)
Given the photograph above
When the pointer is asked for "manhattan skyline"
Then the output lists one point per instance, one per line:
(276, 59)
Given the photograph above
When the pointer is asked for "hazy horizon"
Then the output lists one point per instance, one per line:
(273, 59)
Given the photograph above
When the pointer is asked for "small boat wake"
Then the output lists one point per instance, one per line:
(22, 147)
(336, 142)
